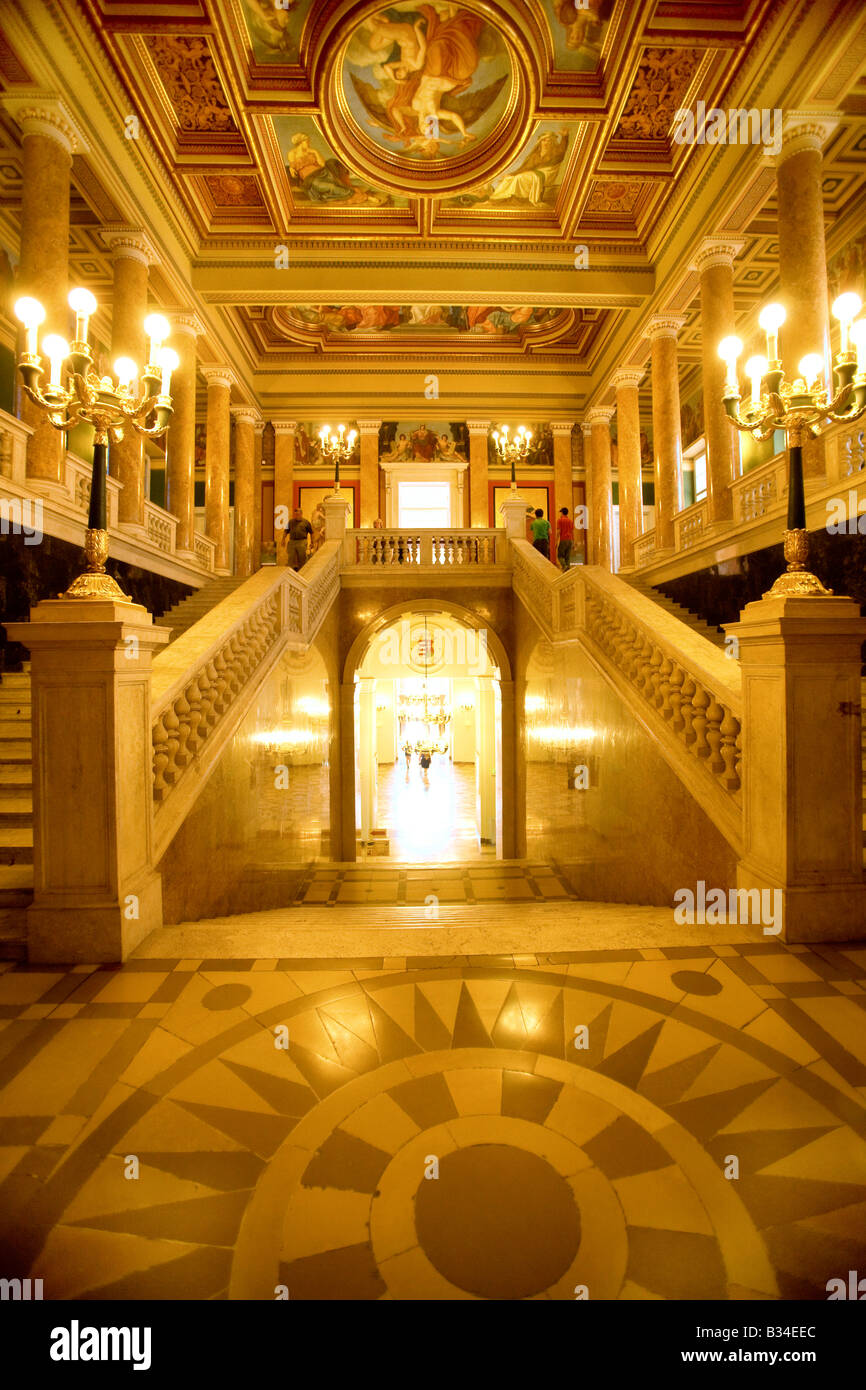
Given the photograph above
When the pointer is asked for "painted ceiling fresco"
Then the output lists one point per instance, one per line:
(426, 79)
(318, 177)
(275, 28)
(530, 182)
(407, 319)
(577, 31)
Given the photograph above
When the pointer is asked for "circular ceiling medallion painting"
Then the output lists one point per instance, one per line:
(426, 98)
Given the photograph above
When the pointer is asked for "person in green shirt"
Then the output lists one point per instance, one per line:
(541, 533)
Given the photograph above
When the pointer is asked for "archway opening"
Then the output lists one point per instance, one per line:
(428, 743)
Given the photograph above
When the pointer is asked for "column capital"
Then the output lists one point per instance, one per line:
(478, 426)
(717, 250)
(43, 113)
(246, 415)
(219, 376)
(132, 242)
(368, 427)
(585, 429)
(599, 415)
(561, 427)
(664, 326)
(187, 321)
(284, 426)
(806, 130)
(627, 376)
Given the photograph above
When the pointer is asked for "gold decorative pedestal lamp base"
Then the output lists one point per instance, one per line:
(95, 583)
(797, 579)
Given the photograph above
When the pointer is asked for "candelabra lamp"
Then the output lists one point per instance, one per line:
(799, 408)
(69, 391)
(510, 450)
(337, 448)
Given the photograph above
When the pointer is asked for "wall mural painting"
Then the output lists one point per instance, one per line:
(426, 80)
(275, 28)
(450, 319)
(846, 270)
(692, 419)
(317, 177)
(531, 181)
(424, 442)
(577, 29)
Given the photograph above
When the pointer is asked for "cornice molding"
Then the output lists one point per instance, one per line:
(368, 427)
(560, 427)
(478, 426)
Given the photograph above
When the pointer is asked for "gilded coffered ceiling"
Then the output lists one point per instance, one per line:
(489, 188)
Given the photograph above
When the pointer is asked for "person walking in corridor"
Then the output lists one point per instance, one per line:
(564, 538)
(297, 533)
(541, 533)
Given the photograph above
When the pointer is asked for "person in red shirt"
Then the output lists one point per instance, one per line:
(564, 538)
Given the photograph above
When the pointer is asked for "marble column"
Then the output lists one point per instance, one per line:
(479, 505)
(245, 418)
(284, 466)
(714, 263)
(369, 432)
(132, 253)
(626, 383)
(180, 437)
(586, 452)
(667, 447)
(563, 487)
(601, 499)
(803, 253)
(49, 139)
(256, 548)
(220, 381)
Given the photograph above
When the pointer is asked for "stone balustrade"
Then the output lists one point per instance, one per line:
(203, 683)
(434, 549)
(690, 525)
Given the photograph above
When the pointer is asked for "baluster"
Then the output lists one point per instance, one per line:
(170, 724)
(715, 715)
(161, 760)
(653, 669)
(193, 697)
(459, 550)
(730, 731)
(678, 724)
(183, 756)
(365, 550)
(663, 697)
(700, 703)
(484, 545)
(687, 711)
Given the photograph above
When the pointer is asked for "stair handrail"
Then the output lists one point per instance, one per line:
(203, 683)
(685, 690)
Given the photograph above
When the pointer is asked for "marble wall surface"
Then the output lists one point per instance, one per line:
(600, 800)
(264, 816)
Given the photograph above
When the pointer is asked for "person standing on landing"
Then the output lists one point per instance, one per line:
(297, 532)
(564, 538)
(541, 533)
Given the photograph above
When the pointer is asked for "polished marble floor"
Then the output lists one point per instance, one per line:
(431, 1130)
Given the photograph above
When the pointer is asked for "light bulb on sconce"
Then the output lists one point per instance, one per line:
(56, 349)
(771, 318)
(755, 369)
(729, 350)
(31, 313)
(845, 309)
(157, 329)
(811, 369)
(83, 303)
(126, 371)
(169, 362)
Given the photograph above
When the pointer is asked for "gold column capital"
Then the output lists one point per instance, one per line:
(478, 426)
(561, 427)
(246, 415)
(599, 415)
(717, 250)
(664, 326)
(627, 376)
(187, 321)
(132, 242)
(219, 376)
(284, 426)
(368, 427)
(44, 113)
(806, 130)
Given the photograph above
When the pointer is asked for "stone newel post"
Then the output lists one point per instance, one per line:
(96, 894)
(802, 776)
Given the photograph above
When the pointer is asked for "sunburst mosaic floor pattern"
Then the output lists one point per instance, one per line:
(432, 1131)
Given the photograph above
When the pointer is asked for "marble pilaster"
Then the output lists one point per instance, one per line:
(601, 498)
(626, 383)
(563, 488)
(180, 436)
(220, 381)
(667, 445)
(715, 265)
(245, 418)
(284, 466)
(369, 433)
(479, 506)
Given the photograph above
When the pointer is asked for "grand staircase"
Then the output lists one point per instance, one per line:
(676, 610)
(184, 614)
(16, 813)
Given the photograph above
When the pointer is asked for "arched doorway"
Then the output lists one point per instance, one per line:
(428, 739)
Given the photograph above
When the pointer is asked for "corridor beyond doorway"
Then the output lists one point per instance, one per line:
(433, 821)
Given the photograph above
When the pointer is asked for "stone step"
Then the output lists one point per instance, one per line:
(16, 885)
(13, 934)
(15, 777)
(16, 751)
(15, 680)
(16, 808)
(13, 728)
(16, 845)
